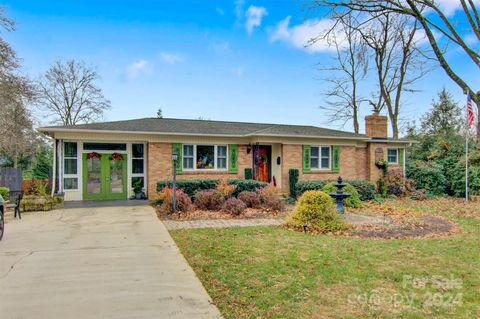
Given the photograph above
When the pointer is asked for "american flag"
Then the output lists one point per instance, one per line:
(471, 115)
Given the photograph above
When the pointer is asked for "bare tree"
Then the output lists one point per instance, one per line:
(350, 65)
(16, 132)
(398, 61)
(438, 28)
(68, 91)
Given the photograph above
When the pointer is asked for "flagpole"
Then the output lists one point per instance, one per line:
(466, 153)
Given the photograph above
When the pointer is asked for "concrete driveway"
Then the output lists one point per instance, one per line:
(109, 262)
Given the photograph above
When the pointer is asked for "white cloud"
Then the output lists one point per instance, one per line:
(137, 68)
(220, 11)
(254, 17)
(301, 36)
(450, 6)
(171, 58)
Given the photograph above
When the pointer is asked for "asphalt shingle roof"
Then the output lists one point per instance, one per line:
(207, 127)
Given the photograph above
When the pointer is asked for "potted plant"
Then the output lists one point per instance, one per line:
(138, 189)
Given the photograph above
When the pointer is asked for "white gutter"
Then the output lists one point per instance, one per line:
(54, 176)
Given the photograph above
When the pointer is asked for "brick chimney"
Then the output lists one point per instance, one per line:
(376, 126)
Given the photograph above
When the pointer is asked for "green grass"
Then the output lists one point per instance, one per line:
(270, 272)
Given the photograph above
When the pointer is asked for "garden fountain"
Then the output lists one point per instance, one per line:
(339, 196)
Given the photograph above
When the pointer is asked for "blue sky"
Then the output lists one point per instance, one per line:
(222, 60)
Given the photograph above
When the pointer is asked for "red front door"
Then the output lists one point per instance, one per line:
(262, 156)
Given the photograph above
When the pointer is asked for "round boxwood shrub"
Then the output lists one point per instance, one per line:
(251, 199)
(234, 206)
(315, 209)
(352, 201)
(211, 199)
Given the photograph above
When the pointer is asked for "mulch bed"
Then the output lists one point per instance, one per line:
(426, 226)
(250, 213)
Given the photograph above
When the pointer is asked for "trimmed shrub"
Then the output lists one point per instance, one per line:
(458, 181)
(183, 202)
(430, 176)
(269, 198)
(36, 187)
(365, 189)
(234, 206)
(251, 199)
(352, 201)
(248, 173)
(225, 188)
(246, 185)
(303, 186)
(292, 181)
(190, 187)
(4, 192)
(397, 185)
(315, 209)
(211, 199)
(381, 187)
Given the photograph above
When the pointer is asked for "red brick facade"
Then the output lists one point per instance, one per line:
(355, 163)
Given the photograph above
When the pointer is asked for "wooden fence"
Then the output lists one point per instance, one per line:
(11, 178)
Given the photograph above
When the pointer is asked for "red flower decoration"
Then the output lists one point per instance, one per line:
(93, 155)
(116, 157)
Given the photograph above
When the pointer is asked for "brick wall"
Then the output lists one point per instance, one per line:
(355, 163)
(352, 165)
(160, 167)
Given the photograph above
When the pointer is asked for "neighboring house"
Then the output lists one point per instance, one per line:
(103, 160)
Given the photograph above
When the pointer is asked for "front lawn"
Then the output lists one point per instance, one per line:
(270, 272)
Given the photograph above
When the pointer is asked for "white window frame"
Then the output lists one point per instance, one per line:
(396, 156)
(320, 168)
(215, 158)
(144, 166)
(70, 175)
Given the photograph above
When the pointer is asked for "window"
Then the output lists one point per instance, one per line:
(204, 157)
(138, 164)
(70, 180)
(221, 157)
(320, 157)
(392, 155)
(137, 158)
(105, 146)
(188, 157)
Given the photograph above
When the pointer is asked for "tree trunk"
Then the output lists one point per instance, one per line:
(355, 120)
(394, 121)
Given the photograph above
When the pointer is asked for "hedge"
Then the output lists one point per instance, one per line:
(292, 181)
(365, 189)
(190, 187)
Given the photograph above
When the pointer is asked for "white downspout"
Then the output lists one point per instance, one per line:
(54, 171)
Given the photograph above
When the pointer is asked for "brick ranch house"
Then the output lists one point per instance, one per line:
(102, 161)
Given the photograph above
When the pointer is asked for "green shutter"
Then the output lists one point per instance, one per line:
(233, 158)
(306, 158)
(336, 159)
(178, 148)
(401, 153)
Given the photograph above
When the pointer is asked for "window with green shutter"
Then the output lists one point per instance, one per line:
(233, 158)
(336, 159)
(306, 158)
(177, 148)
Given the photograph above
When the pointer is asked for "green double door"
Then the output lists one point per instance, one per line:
(104, 176)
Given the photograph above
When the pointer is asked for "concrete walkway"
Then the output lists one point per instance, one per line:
(109, 262)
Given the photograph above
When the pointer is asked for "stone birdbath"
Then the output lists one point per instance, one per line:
(339, 196)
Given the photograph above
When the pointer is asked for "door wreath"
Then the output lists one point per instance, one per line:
(93, 155)
(116, 157)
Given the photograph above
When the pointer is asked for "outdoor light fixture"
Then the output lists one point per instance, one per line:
(174, 184)
(249, 148)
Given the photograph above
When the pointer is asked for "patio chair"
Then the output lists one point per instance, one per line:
(15, 199)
